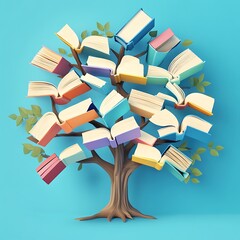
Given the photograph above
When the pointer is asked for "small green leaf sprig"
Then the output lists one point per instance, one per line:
(36, 152)
(199, 83)
(27, 116)
(64, 52)
(187, 42)
(153, 33)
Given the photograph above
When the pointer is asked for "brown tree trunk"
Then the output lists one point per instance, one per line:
(119, 205)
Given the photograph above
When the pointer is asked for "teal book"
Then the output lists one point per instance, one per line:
(159, 47)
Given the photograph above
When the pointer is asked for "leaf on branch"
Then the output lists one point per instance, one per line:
(187, 42)
(219, 148)
(153, 33)
(23, 112)
(13, 116)
(109, 34)
(19, 120)
(195, 81)
(32, 120)
(196, 172)
(27, 148)
(200, 88)
(40, 158)
(36, 151)
(84, 34)
(206, 83)
(79, 167)
(100, 26)
(214, 152)
(183, 149)
(30, 112)
(70, 55)
(210, 145)
(107, 26)
(196, 156)
(28, 127)
(195, 180)
(201, 150)
(183, 145)
(62, 51)
(95, 33)
(187, 179)
(36, 110)
(201, 77)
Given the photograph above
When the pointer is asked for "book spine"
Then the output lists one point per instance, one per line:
(154, 57)
(97, 144)
(97, 71)
(63, 67)
(162, 38)
(79, 90)
(128, 136)
(45, 162)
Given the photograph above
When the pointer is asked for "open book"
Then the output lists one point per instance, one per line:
(51, 61)
(159, 47)
(113, 106)
(134, 30)
(191, 126)
(144, 104)
(98, 43)
(182, 66)
(69, 87)
(177, 162)
(52, 166)
(121, 132)
(197, 101)
(146, 138)
(49, 124)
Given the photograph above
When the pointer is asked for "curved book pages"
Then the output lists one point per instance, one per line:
(69, 87)
(191, 126)
(51, 62)
(175, 161)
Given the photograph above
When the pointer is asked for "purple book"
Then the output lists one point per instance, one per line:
(97, 71)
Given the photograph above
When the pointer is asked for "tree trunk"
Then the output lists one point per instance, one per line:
(119, 205)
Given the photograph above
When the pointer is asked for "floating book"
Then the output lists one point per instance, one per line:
(97, 84)
(121, 132)
(144, 104)
(191, 126)
(159, 47)
(52, 166)
(182, 66)
(51, 62)
(98, 43)
(134, 30)
(146, 138)
(69, 87)
(113, 106)
(175, 161)
(49, 124)
(197, 101)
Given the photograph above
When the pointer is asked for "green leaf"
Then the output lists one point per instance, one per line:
(19, 120)
(210, 145)
(36, 151)
(40, 158)
(30, 112)
(62, 51)
(187, 179)
(219, 148)
(100, 26)
(201, 150)
(28, 127)
(79, 167)
(84, 34)
(70, 55)
(153, 33)
(195, 180)
(201, 77)
(183, 149)
(214, 152)
(196, 172)
(187, 42)
(206, 83)
(23, 112)
(27, 148)
(36, 110)
(195, 81)
(196, 156)
(183, 145)
(95, 33)
(107, 26)
(13, 116)
(200, 88)
(32, 120)
(109, 34)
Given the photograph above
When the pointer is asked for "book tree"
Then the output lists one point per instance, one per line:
(130, 144)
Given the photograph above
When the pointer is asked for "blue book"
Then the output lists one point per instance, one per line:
(159, 47)
(191, 126)
(134, 30)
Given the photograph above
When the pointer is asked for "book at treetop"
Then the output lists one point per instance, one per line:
(131, 70)
(175, 161)
(98, 43)
(69, 87)
(160, 46)
(121, 132)
(197, 101)
(52, 166)
(191, 126)
(51, 62)
(134, 30)
(50, 124)
(144, 104)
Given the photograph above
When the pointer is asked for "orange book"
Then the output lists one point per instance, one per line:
(69, 87)
(49, 124)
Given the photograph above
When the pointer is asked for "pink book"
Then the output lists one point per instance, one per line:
(63, 67)
(162, 38)
(46, 162)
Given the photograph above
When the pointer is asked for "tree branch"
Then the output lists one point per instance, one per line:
(141, 54)
(115, 53)
(54, 108)
(77, 59)
(128, 148)
(44, 155)
(120, 55)
(97, 124)
(71, 134)
(161, 141)
(121, 90)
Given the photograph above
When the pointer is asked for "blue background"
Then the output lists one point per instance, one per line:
(30, 209)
